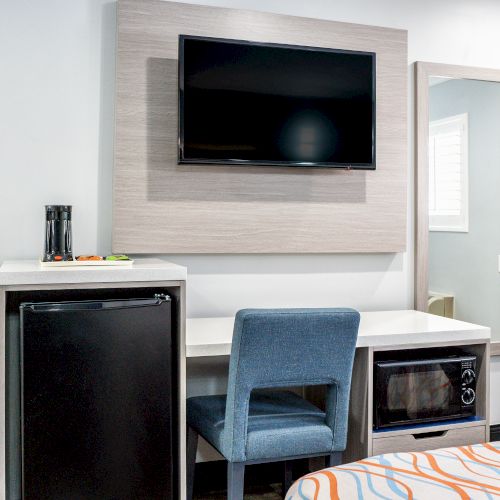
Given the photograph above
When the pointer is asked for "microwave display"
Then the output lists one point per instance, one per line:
(417, 391)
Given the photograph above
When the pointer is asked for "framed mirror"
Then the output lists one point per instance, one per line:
(457, 240)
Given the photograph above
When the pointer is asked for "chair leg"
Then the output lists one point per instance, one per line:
(287, 476)
(334, 459)
(192, 445)
(235, 480)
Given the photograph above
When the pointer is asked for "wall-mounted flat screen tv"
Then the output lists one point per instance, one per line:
(269, 104)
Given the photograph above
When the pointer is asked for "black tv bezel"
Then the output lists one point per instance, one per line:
(241, 162)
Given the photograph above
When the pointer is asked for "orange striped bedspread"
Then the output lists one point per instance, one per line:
(464, 472)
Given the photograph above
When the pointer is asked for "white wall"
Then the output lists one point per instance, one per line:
(56, 120)
(56, 131)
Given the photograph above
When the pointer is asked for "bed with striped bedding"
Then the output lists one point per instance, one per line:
(464, 472)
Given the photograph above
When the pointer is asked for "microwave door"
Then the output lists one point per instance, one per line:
(416, 391)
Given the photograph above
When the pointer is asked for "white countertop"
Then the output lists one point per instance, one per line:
(213, 336)
(30, 272)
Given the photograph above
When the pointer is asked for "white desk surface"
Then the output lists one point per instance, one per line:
(30, 272)
(213, 336)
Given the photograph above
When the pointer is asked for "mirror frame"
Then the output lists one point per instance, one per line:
(424, 70)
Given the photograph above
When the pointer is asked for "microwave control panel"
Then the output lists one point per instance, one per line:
(468, 382)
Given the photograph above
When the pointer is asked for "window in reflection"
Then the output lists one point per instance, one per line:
(464, 200)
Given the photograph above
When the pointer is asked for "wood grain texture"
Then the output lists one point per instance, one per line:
(181, 386)
(495, 348)
(452, 437)
(162, 207)
(423, 71)
(421, 187)
(359, 441)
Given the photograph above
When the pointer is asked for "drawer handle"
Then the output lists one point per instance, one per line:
(425, 435)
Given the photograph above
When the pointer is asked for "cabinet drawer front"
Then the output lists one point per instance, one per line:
(412, 442)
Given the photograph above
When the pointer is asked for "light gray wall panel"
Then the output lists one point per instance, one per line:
(163, 207)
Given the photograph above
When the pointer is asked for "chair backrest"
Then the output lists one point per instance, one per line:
(286, 348)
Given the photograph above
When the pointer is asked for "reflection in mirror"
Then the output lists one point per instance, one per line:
(464, 200)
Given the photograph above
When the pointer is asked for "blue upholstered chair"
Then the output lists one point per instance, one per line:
(278, 348)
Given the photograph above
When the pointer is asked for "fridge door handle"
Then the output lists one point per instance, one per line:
(95, 305)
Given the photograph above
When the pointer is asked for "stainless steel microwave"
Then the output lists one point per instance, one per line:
(416, 391)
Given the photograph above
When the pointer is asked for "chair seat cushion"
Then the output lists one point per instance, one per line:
(280, 424)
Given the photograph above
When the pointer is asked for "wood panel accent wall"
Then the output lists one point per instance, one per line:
(162, 207)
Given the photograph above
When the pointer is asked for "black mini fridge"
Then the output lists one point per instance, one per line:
(98, 400)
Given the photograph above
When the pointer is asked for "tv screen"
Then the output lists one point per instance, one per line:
(269, 104)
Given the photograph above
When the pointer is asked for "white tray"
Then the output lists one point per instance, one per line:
(83, 263)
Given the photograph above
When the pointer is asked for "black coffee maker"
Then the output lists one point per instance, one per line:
(58, 235)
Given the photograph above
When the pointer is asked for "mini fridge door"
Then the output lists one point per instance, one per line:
(98, 400)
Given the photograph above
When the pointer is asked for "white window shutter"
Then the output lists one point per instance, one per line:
(448, 174)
